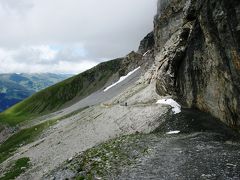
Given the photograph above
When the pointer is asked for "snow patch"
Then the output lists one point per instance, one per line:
(173, 132)
(122, 78)
(146, 53)
(176, 108)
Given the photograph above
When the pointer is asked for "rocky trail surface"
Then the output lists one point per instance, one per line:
(203, 149)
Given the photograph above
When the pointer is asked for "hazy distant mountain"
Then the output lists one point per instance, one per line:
(16, 87)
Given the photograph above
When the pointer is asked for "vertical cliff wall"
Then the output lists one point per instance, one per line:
(197, 49)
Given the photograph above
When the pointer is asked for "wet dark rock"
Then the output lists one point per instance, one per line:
(192, 121)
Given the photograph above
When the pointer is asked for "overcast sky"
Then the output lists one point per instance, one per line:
(69, 36)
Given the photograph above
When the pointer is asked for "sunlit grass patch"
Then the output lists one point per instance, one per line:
(18, 168)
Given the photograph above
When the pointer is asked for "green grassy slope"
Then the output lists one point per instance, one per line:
(23, 137)
(16, 169)
(56, 96)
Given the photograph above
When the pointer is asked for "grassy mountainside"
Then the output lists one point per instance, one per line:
(16, 87)
(12, 93)
(54, 97)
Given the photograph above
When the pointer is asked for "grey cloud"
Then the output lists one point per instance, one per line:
(105, 28)
(16, 6)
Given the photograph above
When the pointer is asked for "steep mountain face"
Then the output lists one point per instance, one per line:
(16, 87)
(197, 55)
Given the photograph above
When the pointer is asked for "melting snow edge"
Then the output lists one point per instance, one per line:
(176, 108)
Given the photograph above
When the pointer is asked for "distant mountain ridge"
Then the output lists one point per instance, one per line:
(16, 87)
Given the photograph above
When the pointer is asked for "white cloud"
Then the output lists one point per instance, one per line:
(45, 52)
(15, 7)
(42, 58)
(33, 54)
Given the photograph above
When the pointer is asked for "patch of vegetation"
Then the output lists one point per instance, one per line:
(105, 160)
(13, 119)
(56, 96)
(1, 128)
(21, 138)
(18, 168)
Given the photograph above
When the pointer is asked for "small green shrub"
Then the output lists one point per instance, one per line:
(18, 168)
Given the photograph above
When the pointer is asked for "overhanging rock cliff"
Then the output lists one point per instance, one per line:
(198, 55)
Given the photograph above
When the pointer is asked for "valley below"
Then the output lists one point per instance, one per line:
(16, 87)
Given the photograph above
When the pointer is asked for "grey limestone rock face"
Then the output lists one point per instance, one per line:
(197, 49)
(147, 43)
